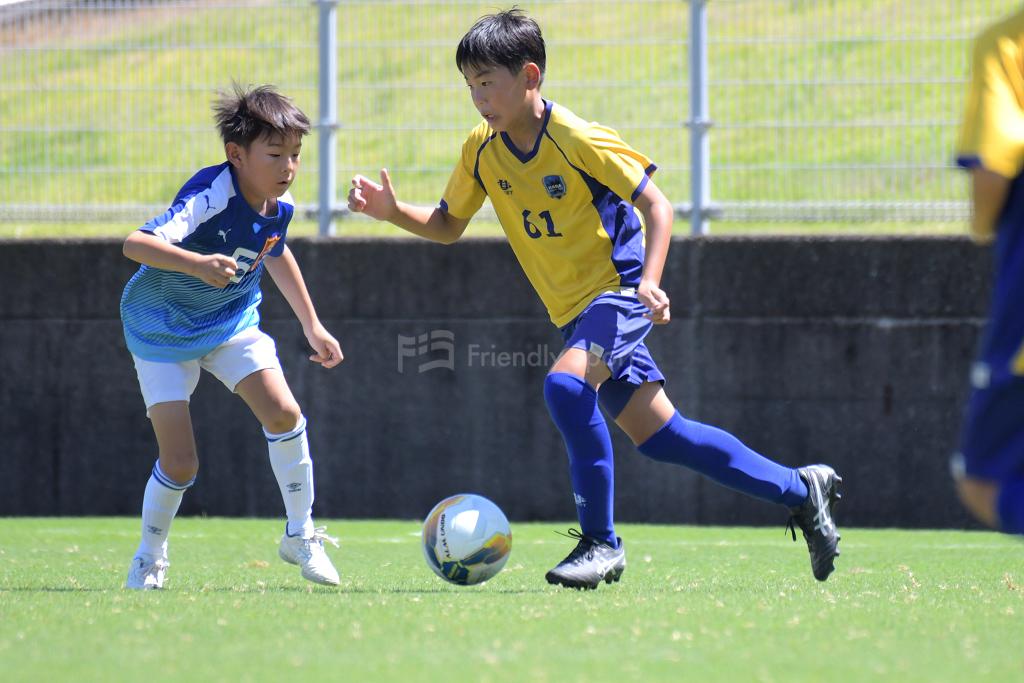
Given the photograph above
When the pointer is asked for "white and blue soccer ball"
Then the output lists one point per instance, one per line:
(466, 539)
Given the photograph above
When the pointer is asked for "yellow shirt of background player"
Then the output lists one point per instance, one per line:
(993, 125)
(548, 201)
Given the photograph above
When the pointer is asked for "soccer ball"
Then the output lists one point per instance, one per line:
(466, 539)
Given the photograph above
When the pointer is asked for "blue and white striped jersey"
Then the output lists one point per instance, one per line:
(170, 316)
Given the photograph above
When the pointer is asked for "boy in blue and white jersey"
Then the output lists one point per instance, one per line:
(194, 304)
(989, 470)
(565, 190)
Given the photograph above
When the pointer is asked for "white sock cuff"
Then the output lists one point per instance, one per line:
(287, 436)
(163, 479)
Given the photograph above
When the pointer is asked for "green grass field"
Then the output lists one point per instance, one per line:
(695, 604)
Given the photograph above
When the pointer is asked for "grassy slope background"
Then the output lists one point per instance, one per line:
(855, 100)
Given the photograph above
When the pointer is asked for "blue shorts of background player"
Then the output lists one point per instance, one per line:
(992, 450)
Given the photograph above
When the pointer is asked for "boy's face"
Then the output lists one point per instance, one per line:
(268, 167)
(501, 97)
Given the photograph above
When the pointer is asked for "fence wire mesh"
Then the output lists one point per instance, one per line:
(106, 105)
(840, 110)
(822, 110)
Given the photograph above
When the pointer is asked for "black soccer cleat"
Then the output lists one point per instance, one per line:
(814, 518)
(590, 563)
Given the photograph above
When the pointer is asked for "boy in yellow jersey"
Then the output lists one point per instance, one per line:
(989, 469)
(565, 191)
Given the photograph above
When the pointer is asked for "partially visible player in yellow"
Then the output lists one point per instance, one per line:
(989, 470)
(565, 191)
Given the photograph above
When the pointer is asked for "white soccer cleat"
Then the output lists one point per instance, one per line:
(309, 554)
(146, 574)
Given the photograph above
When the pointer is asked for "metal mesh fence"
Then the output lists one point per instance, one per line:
(105, 106)
(840, 110)
(837, 110)
(404, 104)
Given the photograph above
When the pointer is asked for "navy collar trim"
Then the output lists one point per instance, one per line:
(525, 157)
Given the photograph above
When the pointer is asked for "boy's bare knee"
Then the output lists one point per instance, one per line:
(284, 419)
(979, 498)
(180, 466)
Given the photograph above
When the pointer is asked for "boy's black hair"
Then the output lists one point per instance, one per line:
(509, 39)
(245, 115)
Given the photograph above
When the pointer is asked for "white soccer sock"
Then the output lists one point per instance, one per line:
(159, 505)
(289, 456)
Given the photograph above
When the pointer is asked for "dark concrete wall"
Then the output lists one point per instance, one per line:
(849, 351)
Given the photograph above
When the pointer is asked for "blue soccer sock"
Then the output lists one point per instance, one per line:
(722, 457)
(573, 406)
(1010, 506)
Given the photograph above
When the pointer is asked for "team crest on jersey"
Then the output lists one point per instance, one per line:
(555, 186)
(505, 186)
(267, 246)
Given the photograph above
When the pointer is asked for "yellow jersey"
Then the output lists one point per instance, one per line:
(992, 136)
(992, 133)
(564, 205)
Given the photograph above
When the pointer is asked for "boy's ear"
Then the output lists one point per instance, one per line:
(233, 151)
(532, 75)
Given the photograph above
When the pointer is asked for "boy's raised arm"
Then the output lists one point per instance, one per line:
(377, 200)
(288, 278)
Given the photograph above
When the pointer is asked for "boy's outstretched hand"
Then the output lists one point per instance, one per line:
(376, 201)
(328, 350)
(656, 301)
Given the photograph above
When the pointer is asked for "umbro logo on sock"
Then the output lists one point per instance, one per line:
(156, 531)
(294, 487)
(581, 502)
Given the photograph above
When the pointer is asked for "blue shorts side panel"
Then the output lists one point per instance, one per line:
(614, 328)
(992, 442)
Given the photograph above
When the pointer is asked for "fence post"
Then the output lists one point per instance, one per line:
(328, 124)
(700, 148)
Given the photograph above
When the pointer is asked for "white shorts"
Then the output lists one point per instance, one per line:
(247, 352)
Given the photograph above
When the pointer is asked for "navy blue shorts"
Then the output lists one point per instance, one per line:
(613, 327)
(992, 443)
